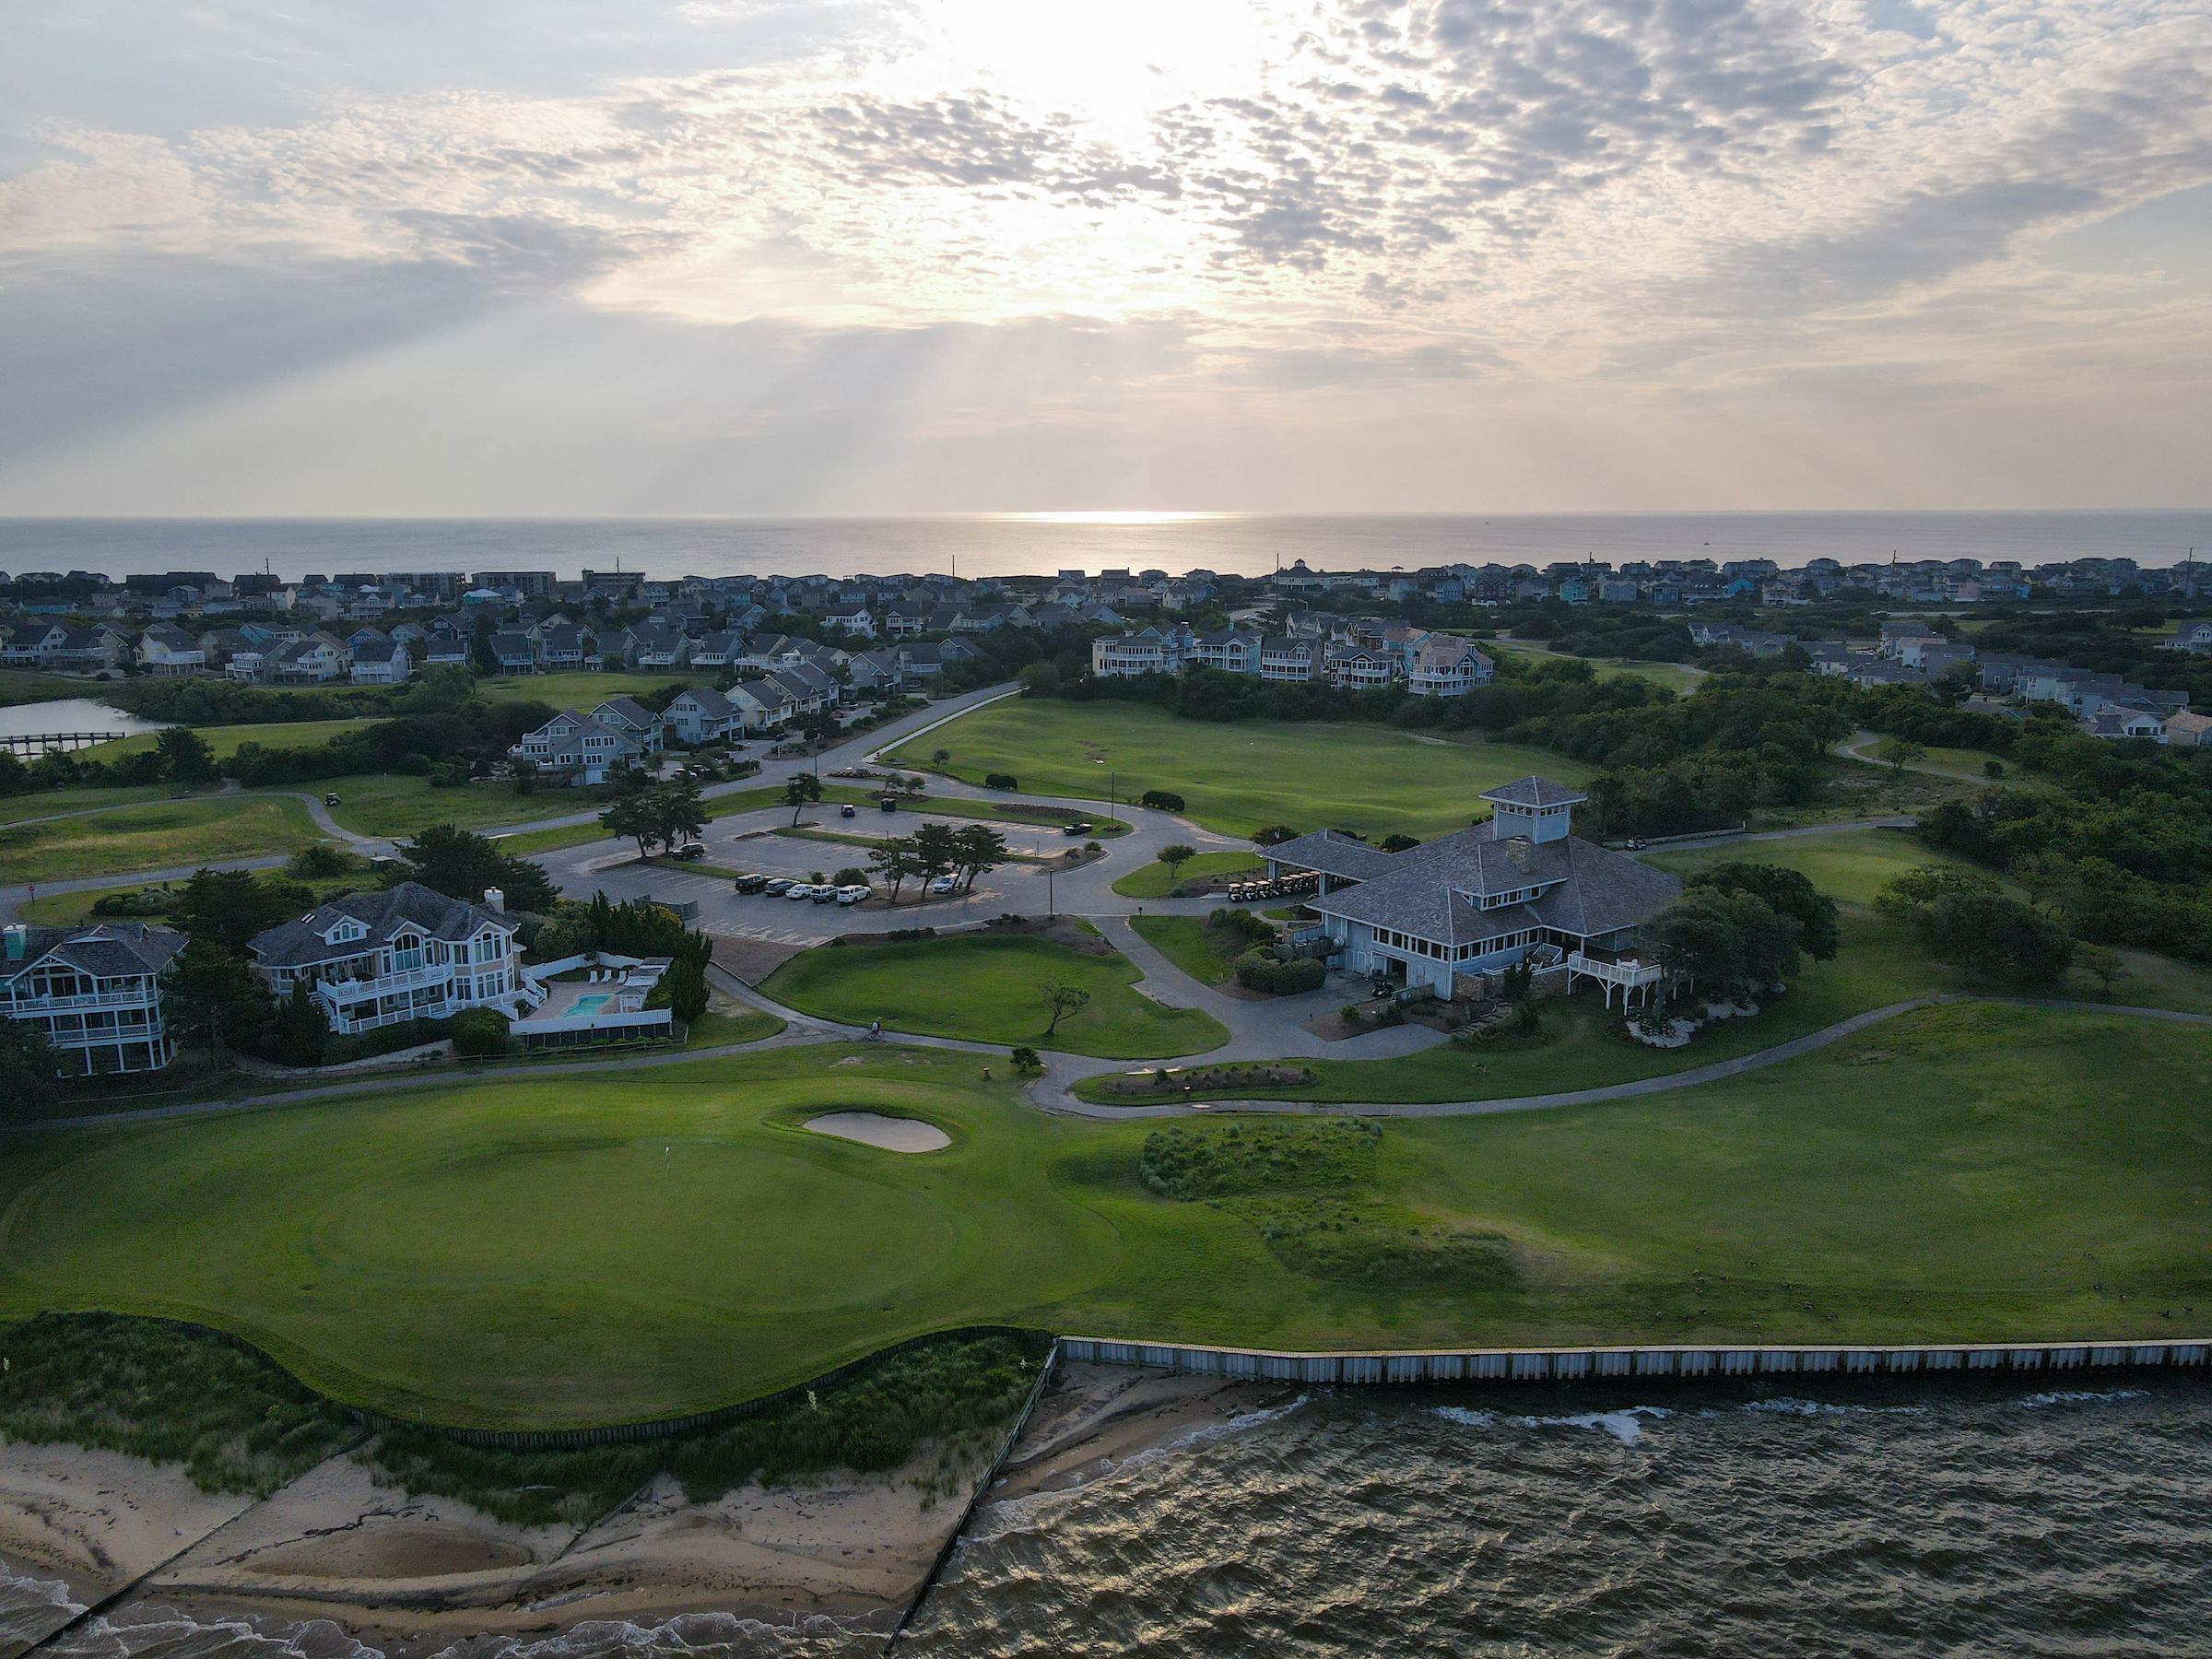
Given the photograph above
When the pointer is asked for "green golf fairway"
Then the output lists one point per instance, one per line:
(545, 1252)
(1243, 775)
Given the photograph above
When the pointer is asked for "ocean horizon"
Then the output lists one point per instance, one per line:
(1042, 544)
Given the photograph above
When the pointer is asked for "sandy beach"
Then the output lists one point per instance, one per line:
(413, 1575)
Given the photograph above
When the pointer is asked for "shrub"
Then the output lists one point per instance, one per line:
(851, 876)
(897, 934)
(479, 1033)
(1001, 781)
(1026, 1061)
(1238, 920)
(1274, 836)
(1161, 800)
(1256, 970)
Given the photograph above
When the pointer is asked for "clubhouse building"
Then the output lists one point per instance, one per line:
(1481, 900)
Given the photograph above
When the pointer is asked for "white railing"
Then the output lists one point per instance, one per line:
(26, 1008)
(1629, 973)
(354, 990)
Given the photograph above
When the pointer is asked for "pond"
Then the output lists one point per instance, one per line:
(70, 714)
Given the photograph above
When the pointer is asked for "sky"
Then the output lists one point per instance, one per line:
(868, 256)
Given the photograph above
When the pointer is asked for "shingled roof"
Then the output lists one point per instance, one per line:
(1533, 790)
(295, 943)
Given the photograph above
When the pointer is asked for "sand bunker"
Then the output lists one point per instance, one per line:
(873, 1129)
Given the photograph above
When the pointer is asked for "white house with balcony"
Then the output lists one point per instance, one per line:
(585, 747)
(405, 953)
(1480, 901)
(167, 652)
(1446, 665)
(94, 993)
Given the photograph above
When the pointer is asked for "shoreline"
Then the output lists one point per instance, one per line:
(412, 1576)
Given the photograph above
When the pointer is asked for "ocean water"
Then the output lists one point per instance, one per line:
(1941, 1517)
(1001, 544)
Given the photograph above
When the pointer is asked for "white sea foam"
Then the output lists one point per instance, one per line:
(2082, 1396)
(1790, 1407)
(1627, 1426)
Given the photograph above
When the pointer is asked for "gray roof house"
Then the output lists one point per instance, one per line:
(408, 952)
(1479, 901)
(703, 714)
(93, 992)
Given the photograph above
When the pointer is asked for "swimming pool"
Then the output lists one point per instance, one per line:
(587, 1005)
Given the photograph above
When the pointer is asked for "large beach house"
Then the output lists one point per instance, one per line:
(95, 992)
(405, 953)
(1480, 901)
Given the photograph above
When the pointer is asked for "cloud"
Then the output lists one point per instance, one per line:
(987, 218)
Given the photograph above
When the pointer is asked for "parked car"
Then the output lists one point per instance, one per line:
(850, 895)
(778, 887)
(945, 883)
(799, 889)
(751, 884)
(691, 850)
(1076, 829)
(825, 894)
(847, 810)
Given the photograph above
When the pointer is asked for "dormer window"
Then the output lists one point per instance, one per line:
(346, 932)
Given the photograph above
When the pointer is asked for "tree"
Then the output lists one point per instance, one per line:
(1039, 679)
(479, 1033)
(851, 876)
(1787, 892)
(937, 850)
(632, 815)
(1026, 1060)
(27, 1067)
(183, 756)
(1995, 938)
(1060, 1000)
(1175, 856)
(1399, 844)
(462, 865)
(894, 861)
(1730, 941)
(302, 1031)
(681, 809)
(209, 994)
(980, 849)
(682, 991)
(229, 907)
(2100, 964)
(937, 758)
(1898, 751)
(799, 789)
(1925, 884)
(1274, 835)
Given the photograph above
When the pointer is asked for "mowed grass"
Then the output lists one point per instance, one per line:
(396, 804)
(986, 989)
(583, 691)
(224, 741)
(1241, 776)
(155, 837)
(1849, 866)
(53, 803)
(1184, 942)
(1155, 880)
(1674, 677)
(529, 1251)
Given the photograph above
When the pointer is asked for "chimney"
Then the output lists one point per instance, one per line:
(1523, 853)
(494, 898)
(18, 942)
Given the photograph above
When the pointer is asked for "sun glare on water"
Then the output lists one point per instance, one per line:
(1106, 518)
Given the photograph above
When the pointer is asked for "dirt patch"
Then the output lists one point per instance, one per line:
(1057, 930)
(750, 961)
